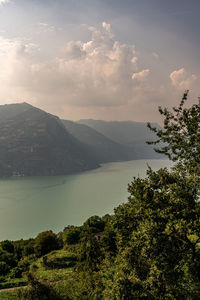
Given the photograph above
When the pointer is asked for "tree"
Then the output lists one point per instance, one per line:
(158, 230)
(181, 136)
(94, 224)
(161, 257)
(4, 268)
(45, 242)
(71, 236)
(7, 246)
(90, 253)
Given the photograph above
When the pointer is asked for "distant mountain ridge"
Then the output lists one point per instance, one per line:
(34, 142)
(104, 148)
(128, 133)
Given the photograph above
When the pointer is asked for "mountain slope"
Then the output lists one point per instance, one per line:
(131, 134)
(33, 142)
(99, 145)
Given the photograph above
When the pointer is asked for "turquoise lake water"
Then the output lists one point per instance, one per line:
(34, 204)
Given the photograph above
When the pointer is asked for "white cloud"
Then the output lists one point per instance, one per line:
(100, 77)
(182, 80)
(155, 55)
(141, 76)
(46, 28)
(4, 1)
(106, 26)
(93, 73)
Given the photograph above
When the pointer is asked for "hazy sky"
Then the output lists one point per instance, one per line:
(101, 59)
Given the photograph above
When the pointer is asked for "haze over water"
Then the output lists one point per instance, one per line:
(34, 204)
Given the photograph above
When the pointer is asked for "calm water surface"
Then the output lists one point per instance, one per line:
(34, 204)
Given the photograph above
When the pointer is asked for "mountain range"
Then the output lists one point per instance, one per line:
(36, 143)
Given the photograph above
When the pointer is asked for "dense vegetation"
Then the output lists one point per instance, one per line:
(148, 249)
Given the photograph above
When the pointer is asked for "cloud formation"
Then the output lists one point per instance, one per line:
(182, 80)
(3, 1)
(100, 72)
(94, 78)
(141, 76)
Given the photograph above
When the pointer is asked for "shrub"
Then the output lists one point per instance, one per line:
(45, 242)
(4, 268)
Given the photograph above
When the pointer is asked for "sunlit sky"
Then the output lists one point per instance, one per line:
(100, 59)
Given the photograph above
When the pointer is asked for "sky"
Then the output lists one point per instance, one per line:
(100, 59)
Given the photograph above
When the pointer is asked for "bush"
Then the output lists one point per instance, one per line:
(94, 224)
(59, 262)
(7, 246)
(37, 291)
(45, 242)
(4, 268)
(16, 272)
(8, 258)
(72, 236)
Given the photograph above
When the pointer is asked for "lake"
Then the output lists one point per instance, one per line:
(30, 205)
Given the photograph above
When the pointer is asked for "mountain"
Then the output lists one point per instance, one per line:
(33, 142)
(98, 144)
(131, 134)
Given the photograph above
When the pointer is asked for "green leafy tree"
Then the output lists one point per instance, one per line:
(161, 258)
(45, 242)
(94, 224)
(90, 253)
(8, 258)
(72, 235)
(7, 246)
(158, 232)
(181, 135)
(4, 268)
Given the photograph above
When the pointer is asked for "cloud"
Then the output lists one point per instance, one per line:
(4, 1)
(46, 28)
(101, 77)
(155, 55)
(182, 80)
(141, 76)
(98, 72)
(106, 26)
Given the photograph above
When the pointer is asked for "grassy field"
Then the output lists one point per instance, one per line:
(8, 295)
(13, 282)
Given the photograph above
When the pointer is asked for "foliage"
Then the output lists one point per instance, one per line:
(11, 295)
(37, 291)
(54, 261)
(159, 258)
(16, 272)
(94, 224)
(45, 242)
(181, 135)
(4, 268)
(12, 282)
(7, 246)
(90, 253)
(8, 258)
(71, 236)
